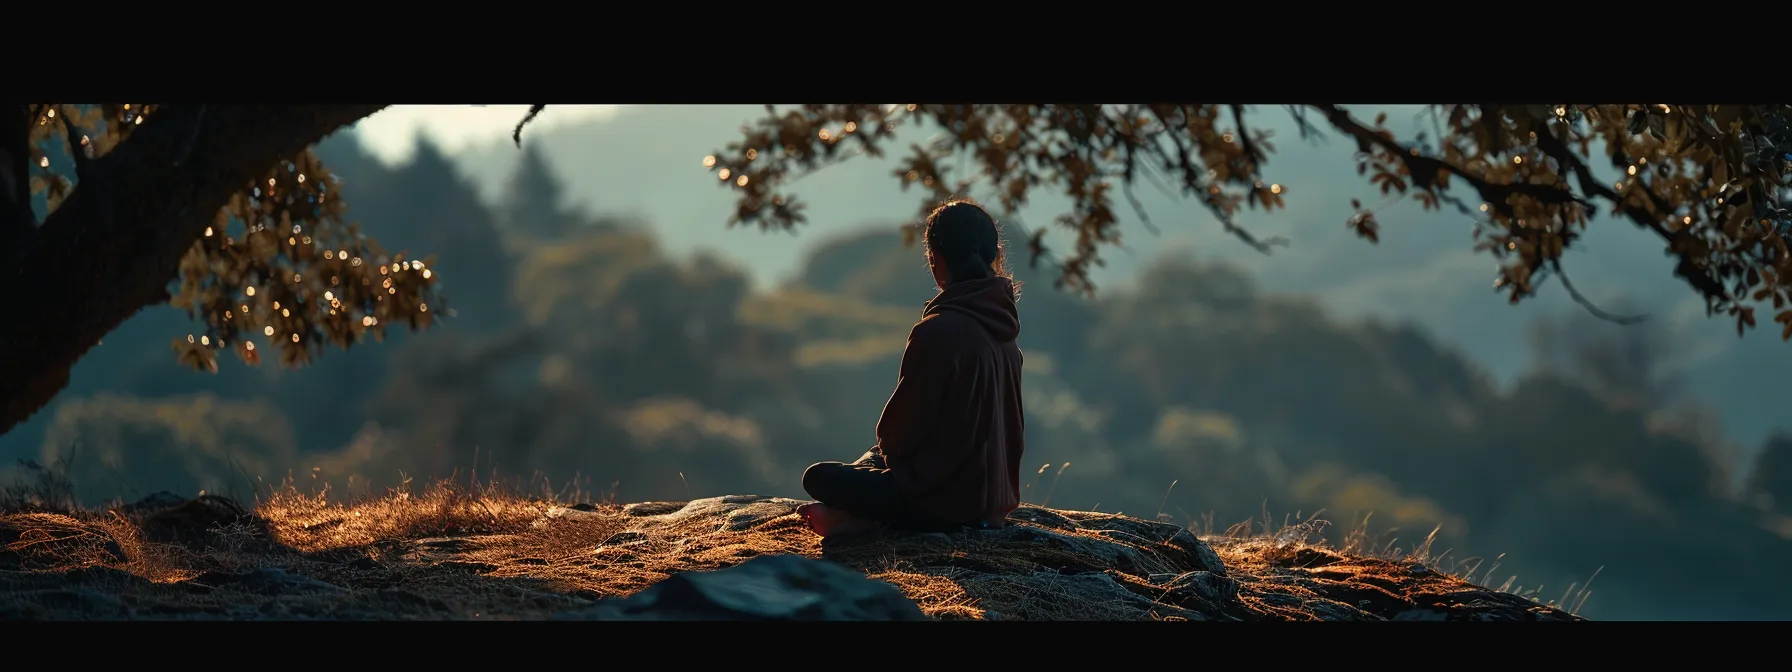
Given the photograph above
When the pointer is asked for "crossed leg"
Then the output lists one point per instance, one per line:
(851, 498)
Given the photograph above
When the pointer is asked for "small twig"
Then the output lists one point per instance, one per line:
(517, 135)
(1301, 125)
(1244, 137)
(1264, 245)
(488, 509)
(41, 537)
(1185, 161)
(1139, 209)
(1054, 488)
(1166, 499)
(1150, 171)
(1588, 304)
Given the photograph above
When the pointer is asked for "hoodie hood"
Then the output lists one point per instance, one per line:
(989, 301)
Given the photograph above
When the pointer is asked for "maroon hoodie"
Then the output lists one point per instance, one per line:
(953, 431)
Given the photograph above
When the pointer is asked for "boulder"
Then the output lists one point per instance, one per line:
(165, 518)
(766, 588)
(1049, 564)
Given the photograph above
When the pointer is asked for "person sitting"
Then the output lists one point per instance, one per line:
(950, 439)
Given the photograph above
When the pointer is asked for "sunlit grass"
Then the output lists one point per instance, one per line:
(312, 523)
(1374, 565)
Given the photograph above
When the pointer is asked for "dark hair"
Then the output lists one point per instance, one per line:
(964, 238)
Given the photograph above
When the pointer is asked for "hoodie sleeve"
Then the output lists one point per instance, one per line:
(928, 364)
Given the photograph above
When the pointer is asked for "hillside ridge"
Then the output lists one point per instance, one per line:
(454, 553)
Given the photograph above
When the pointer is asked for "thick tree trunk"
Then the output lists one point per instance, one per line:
(16, 218)
(115, 244)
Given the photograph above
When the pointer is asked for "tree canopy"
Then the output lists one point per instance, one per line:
(130, 215)
(1708, 180)
(229, 201)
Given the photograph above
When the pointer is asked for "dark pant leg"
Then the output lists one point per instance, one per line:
(857, 488)
(866, 488)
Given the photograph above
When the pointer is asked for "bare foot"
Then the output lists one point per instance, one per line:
(826, 521)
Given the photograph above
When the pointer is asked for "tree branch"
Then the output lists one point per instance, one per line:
(1699, 279)
(1425, 169)
(517, 135)
(116, 242)
(1192, 182)
(76, 148)
(1496, 194)
(1588, 304)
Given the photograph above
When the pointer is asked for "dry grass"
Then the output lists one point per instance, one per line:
(314, 523)
(1287, 567)
(453, 551)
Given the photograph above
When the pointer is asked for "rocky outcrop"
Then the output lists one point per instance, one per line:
(723, 558)
(769, 588)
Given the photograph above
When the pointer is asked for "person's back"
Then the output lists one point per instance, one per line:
(964, 465)
(951, 437)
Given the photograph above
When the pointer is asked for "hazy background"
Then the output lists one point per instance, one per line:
(610, 333)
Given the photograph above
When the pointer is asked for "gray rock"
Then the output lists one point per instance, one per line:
(155, 502)
(1421, 615)
(406, 601)
(196, 522)
(1207, 586)
(81, 603)
(651, 508)
(767, 588)
(267, 581)
(1086, 543)
(1187, 550)
(1093, 596)
(734, 512)
(104, 578)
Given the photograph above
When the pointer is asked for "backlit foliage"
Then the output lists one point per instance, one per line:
(279, 269)
(1707, 180)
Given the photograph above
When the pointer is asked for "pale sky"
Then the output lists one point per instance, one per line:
(390, 134)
